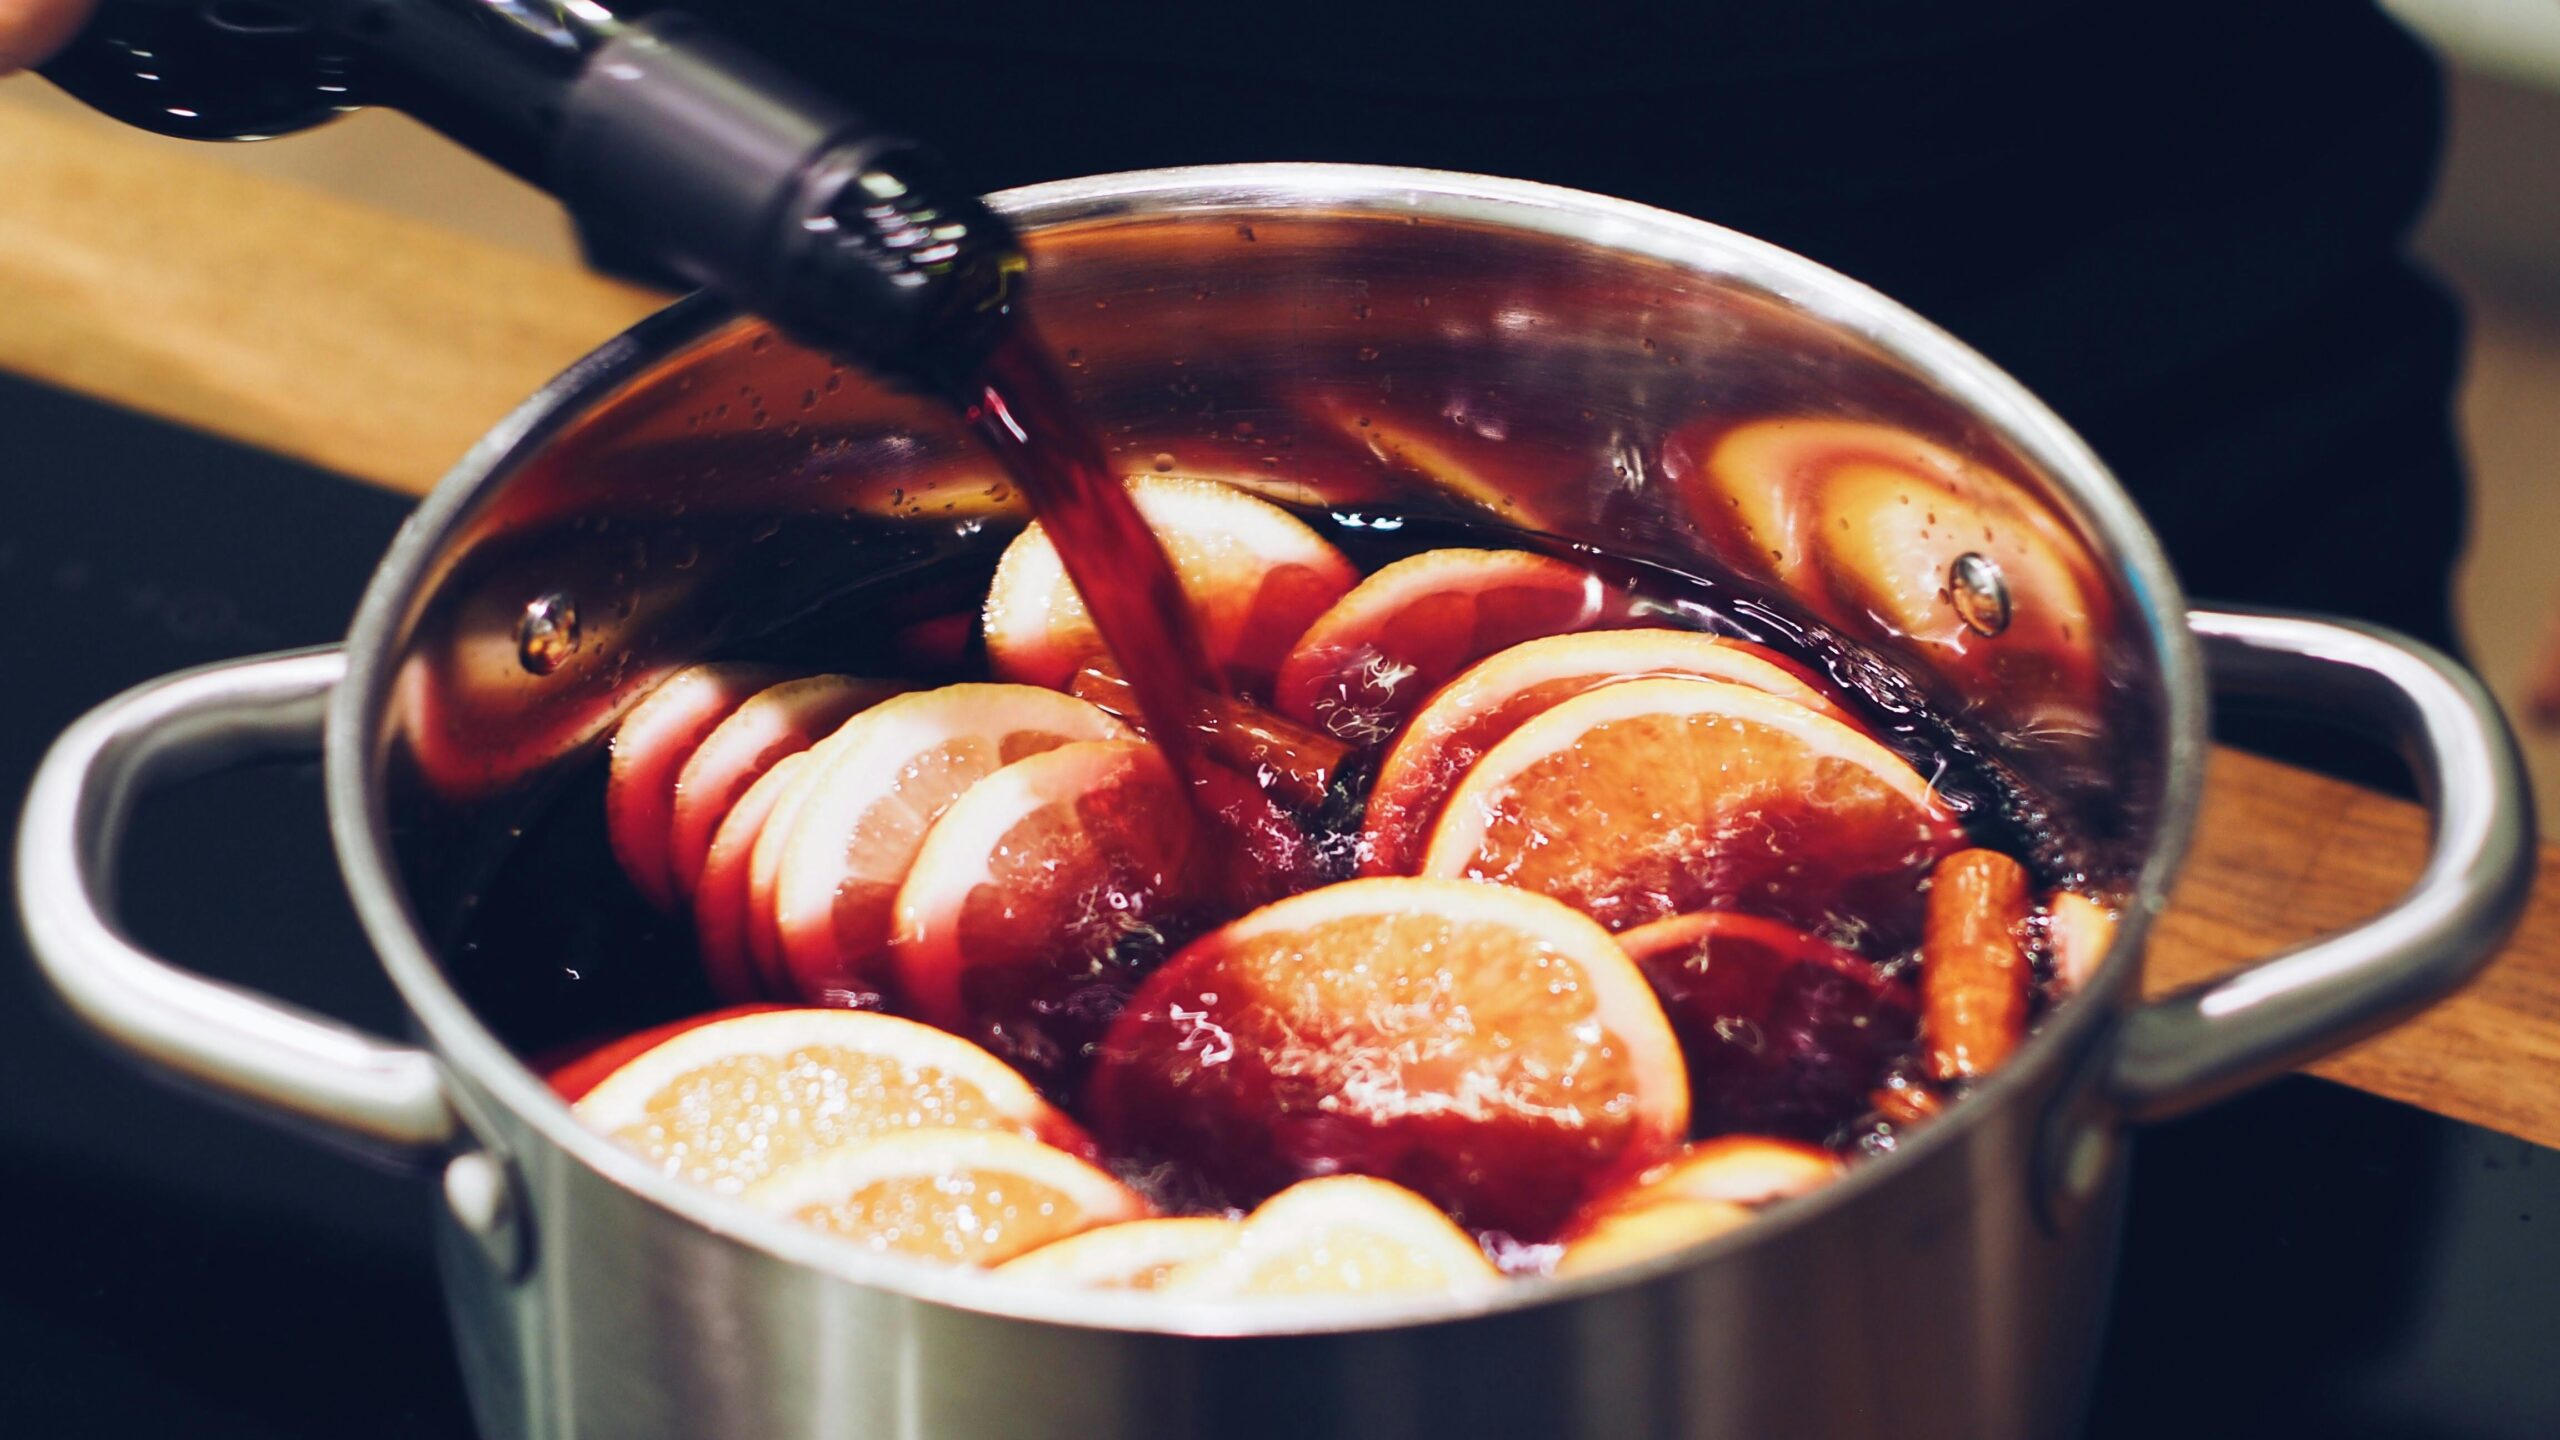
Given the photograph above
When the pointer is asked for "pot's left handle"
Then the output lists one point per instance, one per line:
(271, 1053)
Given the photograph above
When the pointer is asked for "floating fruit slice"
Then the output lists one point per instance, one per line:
(723, 893)
(649, 751)
(764, 868)
(960, 1197)
(731, 1101)
(1783, 1032)
(2079, 930)
(1472, 713)
(1477, 459)
(1486, 1047)
(1645, 799)
(1733, 1169)
(781, 720)
(1959, 567)
(1344, 1235)
(1695, 1196)
(1254, 573)
(881, 781)
(1901, 539)
(1613, 1238)
(1372, 659)
(1039, 898)
(1133, 1255)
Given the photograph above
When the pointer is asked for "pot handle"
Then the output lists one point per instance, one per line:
(2202, 1043)
(280, 1057)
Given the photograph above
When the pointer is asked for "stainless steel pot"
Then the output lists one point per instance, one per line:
(1414, 341)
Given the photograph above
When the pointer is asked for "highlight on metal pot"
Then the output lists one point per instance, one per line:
(1416, 1077)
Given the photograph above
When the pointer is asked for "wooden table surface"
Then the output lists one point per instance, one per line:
(381, 347)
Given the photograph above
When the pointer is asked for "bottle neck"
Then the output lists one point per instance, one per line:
(494, 75)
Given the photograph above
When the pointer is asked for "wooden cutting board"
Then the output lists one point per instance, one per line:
(257, 309)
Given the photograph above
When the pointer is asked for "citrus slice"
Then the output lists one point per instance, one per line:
(1039, 897)
(1648, 798)
(960, 1197)
(732, 1101)
(1370, 661)
(1869, 523)
(2079, 930)
(1254, 575)
(1704, 1191)
(1496, 696)
(764, 867)
(1619, 1237)
(1960, 565)
(1783, 1032)
(780, 720)
(1132, 1255)
(1343, 1235)
(1483, 1046)
(723, 893)
(1477, 460)
(1732, 1169)
(879, 783)
(650, 748)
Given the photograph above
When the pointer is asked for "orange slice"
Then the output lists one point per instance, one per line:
(1620, 1237)
(731, 1102)
(1697, 1195)
(876, 786)
(1486, 1047)
(1644, 799)
(1345, 1235)
(723, 894)
(1476, 460)
(1370, 661)
(1038, 897)
(1733, 1169)
(1472, 713)
(1133, 1255)
(781, 720)
(1255, 575)
(959, 1197)
(649, 751)
(1867, 522)
(2080, 931)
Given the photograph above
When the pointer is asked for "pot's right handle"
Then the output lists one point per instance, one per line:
(2199, 1044)
(280, 1057)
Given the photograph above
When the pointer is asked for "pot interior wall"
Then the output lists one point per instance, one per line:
(728, 494)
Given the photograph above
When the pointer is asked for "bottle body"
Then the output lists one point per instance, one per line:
(242, 70)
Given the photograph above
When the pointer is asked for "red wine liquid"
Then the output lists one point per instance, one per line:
(1023, 413)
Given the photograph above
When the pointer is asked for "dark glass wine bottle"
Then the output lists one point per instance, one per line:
(662, 139)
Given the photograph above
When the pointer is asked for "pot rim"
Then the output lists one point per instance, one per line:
(361, 831)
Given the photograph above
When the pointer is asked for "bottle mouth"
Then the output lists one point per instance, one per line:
(751, 183)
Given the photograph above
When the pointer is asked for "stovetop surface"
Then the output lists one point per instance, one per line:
(2306, 1261)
